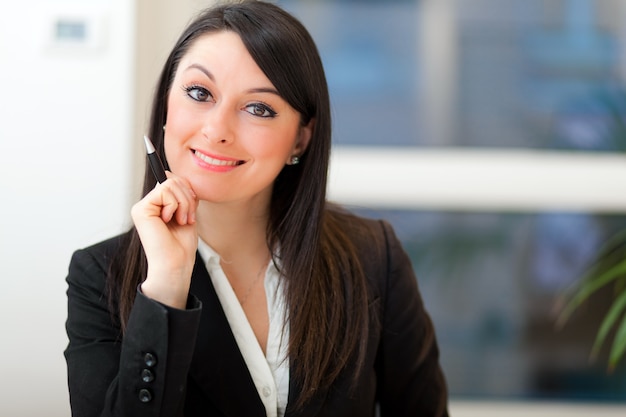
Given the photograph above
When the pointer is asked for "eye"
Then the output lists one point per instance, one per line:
(197, 92)
(260, 110)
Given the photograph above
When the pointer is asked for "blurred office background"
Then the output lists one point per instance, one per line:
(491, 133)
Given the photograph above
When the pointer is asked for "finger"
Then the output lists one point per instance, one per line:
(168, 202)
(180, 201)
(183, 184)
(151, 205)
(191, 199)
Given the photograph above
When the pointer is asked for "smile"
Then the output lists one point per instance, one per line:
(218, 162)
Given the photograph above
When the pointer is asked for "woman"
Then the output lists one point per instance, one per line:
(240, 291)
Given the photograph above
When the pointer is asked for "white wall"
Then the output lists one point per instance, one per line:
(65, 126)
(70, 124)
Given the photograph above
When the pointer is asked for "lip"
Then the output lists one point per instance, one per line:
(215, 163)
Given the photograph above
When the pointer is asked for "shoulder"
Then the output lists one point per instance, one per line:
(365, 232)
(90, 265)
(381, 253)
(101, 253)
(376, 246)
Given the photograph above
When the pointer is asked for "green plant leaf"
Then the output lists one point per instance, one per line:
(590, 285)
(611, 251)
(614, 243)
(619, 345)
(610, 319)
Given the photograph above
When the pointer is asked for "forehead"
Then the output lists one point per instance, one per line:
(223, 55)
(221, 47)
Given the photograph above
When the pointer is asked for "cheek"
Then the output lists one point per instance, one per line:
(179, 124)
(170, 153)
(277, 144)
(179, 120)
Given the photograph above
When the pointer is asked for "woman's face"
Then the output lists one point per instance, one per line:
(228, 131)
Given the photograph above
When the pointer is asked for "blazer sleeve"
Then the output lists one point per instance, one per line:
(410, 379)
(142, 373)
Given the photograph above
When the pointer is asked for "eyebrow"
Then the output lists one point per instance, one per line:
(201, 69)
(208, 73)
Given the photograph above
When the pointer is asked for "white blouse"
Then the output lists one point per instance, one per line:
(270, 372)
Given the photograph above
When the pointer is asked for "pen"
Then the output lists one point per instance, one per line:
(155, 161)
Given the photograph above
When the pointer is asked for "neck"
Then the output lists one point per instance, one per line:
(234, 231)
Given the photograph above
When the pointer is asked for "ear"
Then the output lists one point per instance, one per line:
(303, 138)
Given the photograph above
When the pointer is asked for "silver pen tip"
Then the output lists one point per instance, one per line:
(149, 145)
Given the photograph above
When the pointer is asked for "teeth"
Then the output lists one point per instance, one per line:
(212, 161)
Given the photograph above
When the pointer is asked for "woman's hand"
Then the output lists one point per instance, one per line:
(166, 222)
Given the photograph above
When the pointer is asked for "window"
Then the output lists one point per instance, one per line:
(490, 134)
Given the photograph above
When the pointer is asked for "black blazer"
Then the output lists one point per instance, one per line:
(186, 362)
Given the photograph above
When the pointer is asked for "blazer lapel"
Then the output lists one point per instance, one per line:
(217, 365)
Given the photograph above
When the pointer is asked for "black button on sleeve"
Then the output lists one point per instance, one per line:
(147, 375)
(145, 395)
(149, 359)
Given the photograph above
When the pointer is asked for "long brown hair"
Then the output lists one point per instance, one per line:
(322, 278)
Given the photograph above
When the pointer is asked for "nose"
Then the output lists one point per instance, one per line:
(218, 124)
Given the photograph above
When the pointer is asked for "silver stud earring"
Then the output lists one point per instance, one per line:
(295, 160)
(164, 128)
